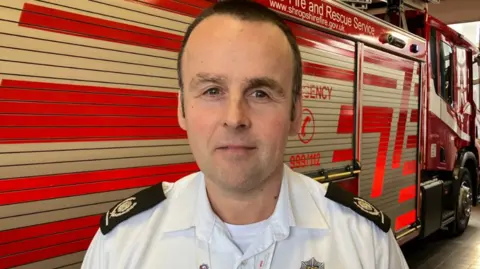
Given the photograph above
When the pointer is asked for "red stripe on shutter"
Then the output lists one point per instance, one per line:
(54, 20)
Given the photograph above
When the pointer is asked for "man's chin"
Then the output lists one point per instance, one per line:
(236, 177)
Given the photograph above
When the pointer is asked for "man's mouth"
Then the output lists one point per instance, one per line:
(236, 147)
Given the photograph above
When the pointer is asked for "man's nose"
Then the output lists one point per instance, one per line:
(236, 114)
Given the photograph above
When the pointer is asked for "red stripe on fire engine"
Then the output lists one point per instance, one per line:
(402, 119)
(33, 112)
(405, 219)
(76, 190)
(54, 20)
(345, 122)
(84, 139)
(48, 241)
(24, 84)
(414, 115)
(322, 46)
(411, 141)
(409, 167)
(401, 126)
(56, 134)
(341, 155)
(415, 90)
(407, 193)
(378, 120)
(7, 107)
(379, 81)
(185, 7)
(77, 121)
(319, 70)
(67, 96)
(41, 182)
(47, 229)
(44, 253)
(384, 59)
(14, 197)
(345, 126)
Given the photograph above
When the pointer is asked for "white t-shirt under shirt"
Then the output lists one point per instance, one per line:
(244, 235)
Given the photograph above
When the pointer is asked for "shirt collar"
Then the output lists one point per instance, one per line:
(182, 201)
(296, 207)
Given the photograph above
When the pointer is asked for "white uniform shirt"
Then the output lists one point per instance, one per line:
(306, 229)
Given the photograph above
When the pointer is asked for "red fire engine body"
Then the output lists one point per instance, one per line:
(88, 115)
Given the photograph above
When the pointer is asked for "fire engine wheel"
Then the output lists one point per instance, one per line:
(463, 205)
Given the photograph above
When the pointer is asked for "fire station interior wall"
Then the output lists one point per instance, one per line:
(388, 145)
(88, 116)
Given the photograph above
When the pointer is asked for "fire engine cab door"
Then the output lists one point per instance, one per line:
(388, 139)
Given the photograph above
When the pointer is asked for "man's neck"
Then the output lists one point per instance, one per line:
(246, 207)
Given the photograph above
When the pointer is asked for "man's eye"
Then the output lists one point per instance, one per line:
(212, 91)
(259, 94)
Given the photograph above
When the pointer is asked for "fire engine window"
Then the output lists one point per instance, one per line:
(446, 75)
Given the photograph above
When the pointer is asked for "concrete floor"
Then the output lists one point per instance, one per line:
(442, 252)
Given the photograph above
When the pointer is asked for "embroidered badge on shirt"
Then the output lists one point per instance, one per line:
(359, 205)
(312, 264)
(366, 206)
(131, 206)
(124, 207)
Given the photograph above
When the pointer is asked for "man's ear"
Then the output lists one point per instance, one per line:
(297, 116)
(180, 112)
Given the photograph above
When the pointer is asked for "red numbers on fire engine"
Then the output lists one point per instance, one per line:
(304, 160)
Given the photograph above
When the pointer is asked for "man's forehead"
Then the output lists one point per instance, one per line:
(213, 21)
(228, 46)
(224, 27)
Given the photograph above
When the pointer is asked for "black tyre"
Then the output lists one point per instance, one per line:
(463, 206)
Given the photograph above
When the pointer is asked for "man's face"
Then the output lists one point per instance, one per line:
(238, 100)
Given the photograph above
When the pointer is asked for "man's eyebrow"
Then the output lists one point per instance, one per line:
(203, 77)
(268, 82)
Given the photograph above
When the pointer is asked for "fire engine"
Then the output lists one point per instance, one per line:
(88, 103)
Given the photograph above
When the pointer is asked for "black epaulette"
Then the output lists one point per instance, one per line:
(359, 205)
(135, 204)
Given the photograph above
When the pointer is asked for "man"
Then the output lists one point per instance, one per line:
(240, 78)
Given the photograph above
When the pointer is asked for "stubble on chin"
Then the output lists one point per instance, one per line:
(233, 181)
(238, 181)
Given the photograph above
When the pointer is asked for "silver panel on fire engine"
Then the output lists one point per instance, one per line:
(388, 145)
(323, 141)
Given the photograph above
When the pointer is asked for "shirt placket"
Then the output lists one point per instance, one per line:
(259, 257)
(264, 260)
